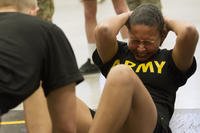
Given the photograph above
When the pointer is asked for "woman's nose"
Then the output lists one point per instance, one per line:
(141, 47)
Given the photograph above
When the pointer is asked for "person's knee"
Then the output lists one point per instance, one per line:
(123, 74)
(125, 70)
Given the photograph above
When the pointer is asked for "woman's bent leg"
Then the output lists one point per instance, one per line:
(125, 105)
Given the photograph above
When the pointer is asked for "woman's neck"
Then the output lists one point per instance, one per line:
(8, 9)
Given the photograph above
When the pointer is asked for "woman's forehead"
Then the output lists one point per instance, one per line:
(143, 30)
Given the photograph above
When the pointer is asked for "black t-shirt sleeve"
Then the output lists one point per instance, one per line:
(179, 76)
(60, 66)
(105, 68)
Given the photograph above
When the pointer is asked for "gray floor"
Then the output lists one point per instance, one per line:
(69, 16)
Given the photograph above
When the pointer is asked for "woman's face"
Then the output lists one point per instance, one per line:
(144, 41)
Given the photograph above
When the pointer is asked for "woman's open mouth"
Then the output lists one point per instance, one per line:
(141, 57)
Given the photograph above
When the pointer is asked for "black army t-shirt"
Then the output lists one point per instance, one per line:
(32, 50)
(160, 75)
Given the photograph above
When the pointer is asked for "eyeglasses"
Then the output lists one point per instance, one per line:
(144, 42)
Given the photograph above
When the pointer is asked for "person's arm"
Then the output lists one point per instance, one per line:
(36, 113)
(62, 108)
(121, 6)
(185, 45)
(105, 35)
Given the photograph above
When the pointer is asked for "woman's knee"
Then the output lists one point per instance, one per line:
(123, 74)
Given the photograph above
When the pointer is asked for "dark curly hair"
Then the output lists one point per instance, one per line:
(147, 14)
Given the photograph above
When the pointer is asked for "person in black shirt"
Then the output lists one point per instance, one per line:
(141, 78)
(31, 51)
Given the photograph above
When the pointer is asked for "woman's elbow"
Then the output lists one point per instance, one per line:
(102, 30)
(192, 32)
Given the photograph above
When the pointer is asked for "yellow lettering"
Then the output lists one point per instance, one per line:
(130, 64)
(117, 62)
(160, 66)
(145, 67)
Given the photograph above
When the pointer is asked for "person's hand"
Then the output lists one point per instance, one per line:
(166, 28)
(165, 31)
(129, 13)
(166, 25)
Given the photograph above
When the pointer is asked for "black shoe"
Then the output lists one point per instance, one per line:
(89, 68)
